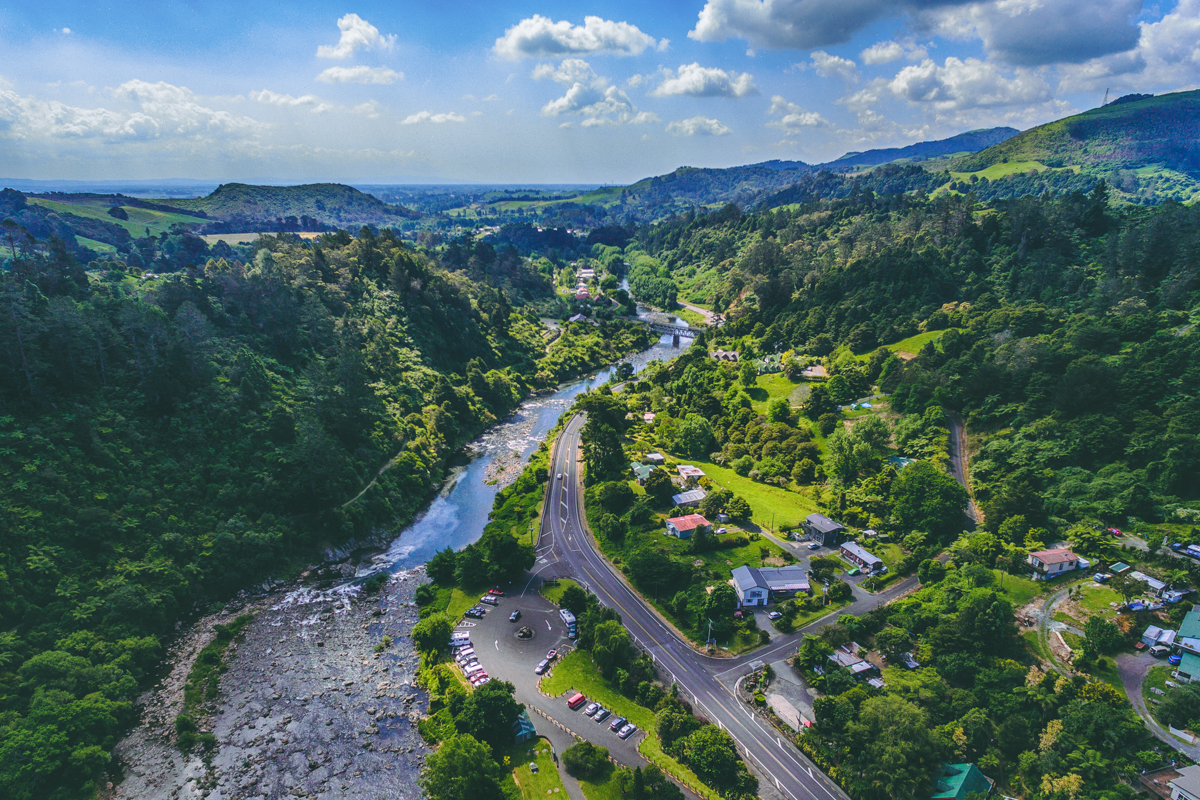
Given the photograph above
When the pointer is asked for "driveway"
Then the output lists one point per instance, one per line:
(1133, 668)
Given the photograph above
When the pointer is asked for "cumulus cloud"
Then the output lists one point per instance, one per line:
(1038, 32)
(967, 83)
(357, 34)
(542, 37)
(163, 111)
(693, 80)
(887, 51)
(798, 24)
(1167, 54)
(589, 95)
(698, 126)
(376, 75)
(793, 118)
(828, 66)
(429, 116)
(267, 97)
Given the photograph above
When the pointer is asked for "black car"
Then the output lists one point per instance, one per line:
(617, 723)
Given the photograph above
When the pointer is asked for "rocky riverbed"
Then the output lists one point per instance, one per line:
(307, 707)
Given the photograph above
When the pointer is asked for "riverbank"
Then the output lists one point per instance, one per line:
(308, 706)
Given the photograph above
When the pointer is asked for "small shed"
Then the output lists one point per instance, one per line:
(1150, 636)
(689, 498)
(1119, 568)
(523, 730)
(653, 458)
(956, 781)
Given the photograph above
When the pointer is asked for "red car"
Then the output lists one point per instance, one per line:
(496, 592)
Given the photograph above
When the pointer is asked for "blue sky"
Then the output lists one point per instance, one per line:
(598, 92)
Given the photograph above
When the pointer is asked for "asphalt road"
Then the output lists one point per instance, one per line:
(566, 549)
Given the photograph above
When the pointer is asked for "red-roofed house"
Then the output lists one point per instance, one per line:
(682, 527)
(1048, 564)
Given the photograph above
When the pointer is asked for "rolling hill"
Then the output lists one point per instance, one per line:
(329, 204)
(1147, 148)
(969, 142)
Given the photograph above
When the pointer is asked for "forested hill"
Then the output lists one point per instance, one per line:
(1146, 146)
(169, 441)
(327, 203)
(969, 142)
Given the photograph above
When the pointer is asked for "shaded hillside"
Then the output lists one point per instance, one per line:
(969, 142)
(689, 186)
(1147, 148)
(327, 204)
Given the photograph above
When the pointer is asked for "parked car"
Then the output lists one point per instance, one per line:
(540, 669)
(813, 545)
(571, 633)
(576, 701)
(1176, 545)
(602, 715)
(489, 600)
(854, 571)
(617, 723)
(722, 530)
(627, 731)
(496, 592)
(774, 615)
(592, 708)
(1099, 577)
(514, 616)
(1175, 659)
(1159, 650)
(551, 655)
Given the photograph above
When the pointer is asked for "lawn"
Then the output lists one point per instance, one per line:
(606, 789)
(534, 785)
(577, 673)
(92, 244)
(555, 593)
(1020, 591)
(772, 387)
(1156, 678)
(1109, 674)
(692, 318)
(912, 344)
(772, 507)
(1095, 599)
(1034, 640)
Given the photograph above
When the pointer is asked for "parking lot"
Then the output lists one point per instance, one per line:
(506, 657)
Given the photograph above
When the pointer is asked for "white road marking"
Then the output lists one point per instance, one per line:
(548, 626)
(497, 644)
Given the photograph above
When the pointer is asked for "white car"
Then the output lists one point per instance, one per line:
(814, 545)
(774, 615)
(627, 731)
(540, 669)
(558, 476)
(591, 709)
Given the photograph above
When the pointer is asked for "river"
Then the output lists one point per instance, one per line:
(457, 516)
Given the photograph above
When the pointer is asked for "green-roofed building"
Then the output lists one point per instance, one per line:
(641, 472)
(956, 781)
(1190, 627)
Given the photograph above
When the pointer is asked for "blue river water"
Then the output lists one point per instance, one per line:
(457, 516)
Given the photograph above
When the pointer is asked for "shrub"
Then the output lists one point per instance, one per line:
(585, 760)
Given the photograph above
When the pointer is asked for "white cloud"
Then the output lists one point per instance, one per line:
(589, 95)
(698, 126)
(375, 75)
(828, 66)
(267, 97)
(888, 51)
(542, 37)
(793, 118)
(693, 80)
(164, 111)
(1167, 55)
(357, 34)
(65, 31)
(961, 84)
(429, 116)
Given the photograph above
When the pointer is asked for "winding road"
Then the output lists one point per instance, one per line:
(566, 549)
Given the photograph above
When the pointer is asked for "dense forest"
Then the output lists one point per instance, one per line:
(172, 439)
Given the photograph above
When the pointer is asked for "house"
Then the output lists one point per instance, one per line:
(956, 781)
(752, 590)
(1188, 638)
(688, 471)
(693, 497)
(582, 294)
(653, 458)
(641, 472)
(578, 318)
(757, 587)
(856, 555)
(1156, 635)
(523, 730)
(1153, 585)
(1049, 564)
(848, 656)
(682, 527)
(1186, 786)
(821, 528)
(648, 416)
(725, 355)
(587, 273)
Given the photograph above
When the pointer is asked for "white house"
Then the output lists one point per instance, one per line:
(1187, 785)
(751, 589)
(1049, 564)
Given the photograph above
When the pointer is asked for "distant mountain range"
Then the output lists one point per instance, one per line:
(969, 142)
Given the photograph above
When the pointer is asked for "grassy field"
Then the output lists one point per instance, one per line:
(1156, 678)
(912, 344)
(1037, 645)
(772, 506)
(1020, 590)
(555, 593)
(546, 781)
(577, 673)
(604, 789)
(773, 386)
(92, 244)
(1095, 599)
(691, 317)
(1002, 170)
(158, 222)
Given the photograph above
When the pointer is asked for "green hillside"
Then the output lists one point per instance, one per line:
(326, 203)
(1147, 149)
(97, 206)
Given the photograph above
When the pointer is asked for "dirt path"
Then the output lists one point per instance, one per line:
(958, 463)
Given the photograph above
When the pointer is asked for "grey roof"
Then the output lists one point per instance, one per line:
(748, 578)
(859, 553)
(788, 578)
(1188, 780)
(823, 523)
(694, 496)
